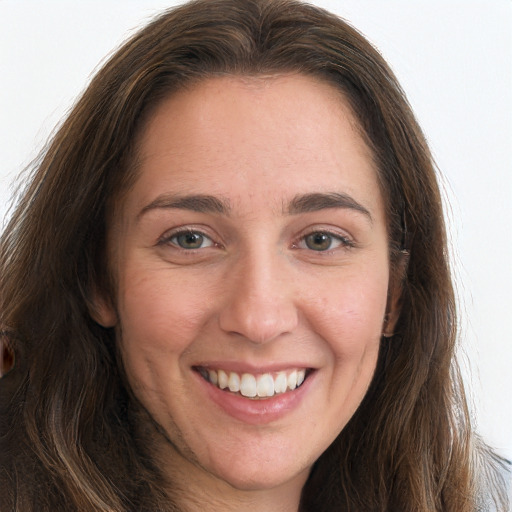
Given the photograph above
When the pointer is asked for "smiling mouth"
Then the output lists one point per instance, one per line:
(255, 386)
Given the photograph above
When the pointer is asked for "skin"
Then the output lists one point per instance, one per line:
(254, 293)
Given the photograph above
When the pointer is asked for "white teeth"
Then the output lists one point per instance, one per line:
(265, 385)
(222, 379)
(292, 380)
(234, 382)
(248, 385)
(252, 386)
(280, 383)
(212, 375)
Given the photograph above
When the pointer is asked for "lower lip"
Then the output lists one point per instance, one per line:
(256, 412)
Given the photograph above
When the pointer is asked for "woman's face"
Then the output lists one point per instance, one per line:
(252, 270)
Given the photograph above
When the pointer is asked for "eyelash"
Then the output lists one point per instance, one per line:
(168, 239)
(300, 243)
(344, 241)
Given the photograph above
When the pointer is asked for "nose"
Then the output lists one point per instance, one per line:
(261, 299)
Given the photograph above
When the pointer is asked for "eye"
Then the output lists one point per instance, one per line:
(189, 240)
(324, 241)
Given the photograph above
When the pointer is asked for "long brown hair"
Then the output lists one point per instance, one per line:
(67, 425)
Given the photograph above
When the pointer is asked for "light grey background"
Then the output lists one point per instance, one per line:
(454, 60)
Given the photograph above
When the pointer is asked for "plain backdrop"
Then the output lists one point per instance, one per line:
(454, 60)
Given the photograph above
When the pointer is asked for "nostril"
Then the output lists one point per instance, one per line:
(259, 321)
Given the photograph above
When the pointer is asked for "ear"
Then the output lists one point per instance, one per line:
(6, 354)
(395, 292)
(101, 310)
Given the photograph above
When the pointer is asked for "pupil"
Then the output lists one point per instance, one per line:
(318, 241)
(190, 240)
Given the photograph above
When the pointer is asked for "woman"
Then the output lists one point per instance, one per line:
(226, 286)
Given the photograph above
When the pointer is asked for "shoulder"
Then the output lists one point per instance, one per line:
(507, 476)
(496, 486)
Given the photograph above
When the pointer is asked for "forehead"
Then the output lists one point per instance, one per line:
(240, 137)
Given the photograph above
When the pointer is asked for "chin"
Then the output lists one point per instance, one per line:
(260, 473)
(262, 479)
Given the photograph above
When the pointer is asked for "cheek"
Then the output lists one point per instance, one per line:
(350, 323)
(350, 311)
(159, 314)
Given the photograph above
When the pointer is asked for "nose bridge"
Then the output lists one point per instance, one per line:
(260, 305)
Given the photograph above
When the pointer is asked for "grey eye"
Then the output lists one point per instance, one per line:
(191, 240)
(319, 241)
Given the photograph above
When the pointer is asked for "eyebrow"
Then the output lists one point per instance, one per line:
(303, 203)
(321, 201)
(195, 202)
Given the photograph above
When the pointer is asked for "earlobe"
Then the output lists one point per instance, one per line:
(102, 311)
(390, 320)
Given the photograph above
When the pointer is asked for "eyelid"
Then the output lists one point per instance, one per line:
(346, 241)
(181, 230)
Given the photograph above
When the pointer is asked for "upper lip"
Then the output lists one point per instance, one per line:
(242, 367)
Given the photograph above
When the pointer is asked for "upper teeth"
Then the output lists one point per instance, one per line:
(252, 386)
